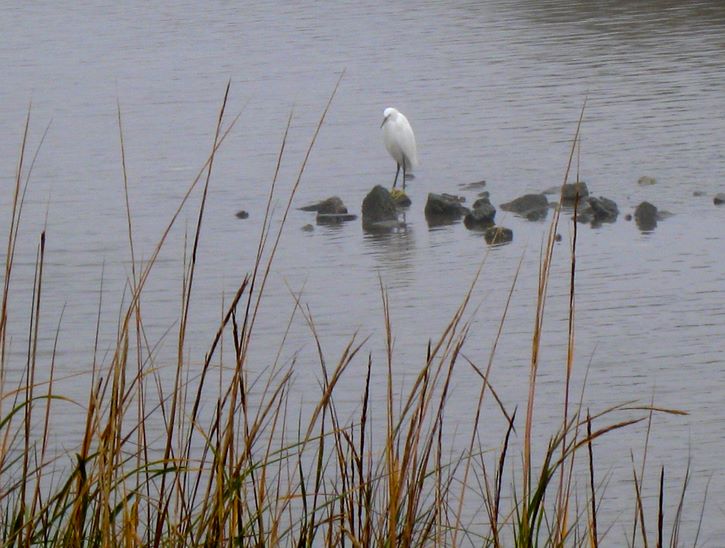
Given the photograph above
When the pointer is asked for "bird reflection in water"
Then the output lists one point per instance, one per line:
(394, 252)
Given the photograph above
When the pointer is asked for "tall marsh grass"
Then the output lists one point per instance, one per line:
(252, 471)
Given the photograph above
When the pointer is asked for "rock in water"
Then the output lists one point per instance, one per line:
(646, 181)
(646, 216)
(537, 214)
(241, 214)
(498, 235)
(719, 198)
(483, 200)
(331, 205)
(597, 211)
(482, 215)
(378, 207)
(442, 208)
(570, 191)
(605, 210)
(472, 186)
(529, 205)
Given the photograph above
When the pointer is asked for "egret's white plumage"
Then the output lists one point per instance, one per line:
(400, 141)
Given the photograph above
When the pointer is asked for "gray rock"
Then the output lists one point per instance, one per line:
(537, 214)
(529, 205)
(585, 217)
(378, 206)
(498, 235)
(334, 218)
(646, 216)
(699, 193)
(719, 198)
(241, 214)
(646, 181)
(442, 208)
(484, 194)
(308, 228)
(481, 201)
(570, 191)
(604, 208)
(482, 215)
(598, 210)
(332, 205)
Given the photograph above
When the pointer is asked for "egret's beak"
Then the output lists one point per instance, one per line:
(384, 120)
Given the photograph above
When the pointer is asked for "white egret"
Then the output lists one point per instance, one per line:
(400, 141)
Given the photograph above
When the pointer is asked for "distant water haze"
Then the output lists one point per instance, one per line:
(493, 91)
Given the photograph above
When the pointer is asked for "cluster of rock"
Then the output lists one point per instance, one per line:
(588, 209)
(381, 208)
(441, 209)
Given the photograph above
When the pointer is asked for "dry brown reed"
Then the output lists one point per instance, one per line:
(244, 474)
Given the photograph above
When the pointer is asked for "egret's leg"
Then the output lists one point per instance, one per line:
(396, 176)
(403, 176)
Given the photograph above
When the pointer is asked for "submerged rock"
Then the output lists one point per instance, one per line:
(645, 180)
(443, 208)
(498, 235)
(646, 216)
(472, 186)
(378, 207)
(241, 214)
(331, 205)
(308, 228)
(531, 206)
(719, 198)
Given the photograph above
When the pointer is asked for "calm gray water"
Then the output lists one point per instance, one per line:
(493, 91)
